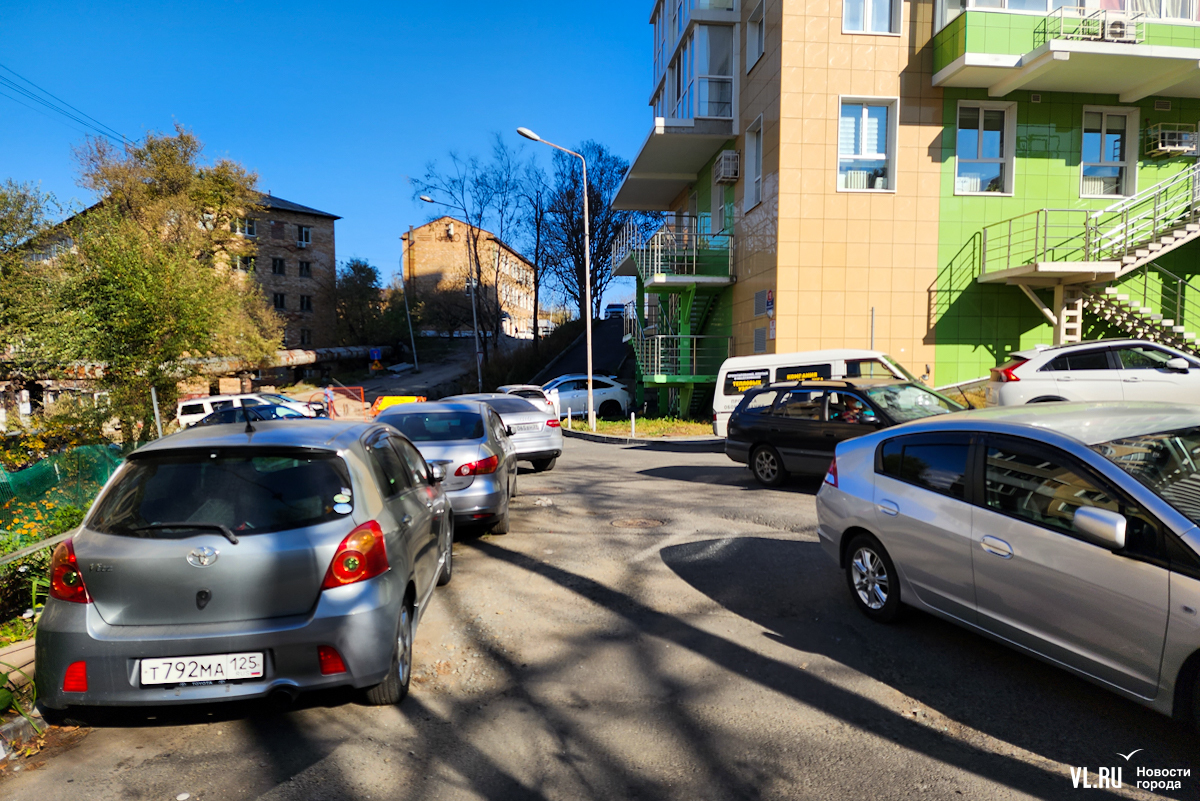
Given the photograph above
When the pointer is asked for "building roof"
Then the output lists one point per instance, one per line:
(489, 235)
(270, 201)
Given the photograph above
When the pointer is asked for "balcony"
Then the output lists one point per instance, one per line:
(1072, 49)
(681, 252)
(670, 161)
(666, 359)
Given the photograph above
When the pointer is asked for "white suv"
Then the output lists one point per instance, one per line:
(196, 409)
(1108, 369)
(609, 396)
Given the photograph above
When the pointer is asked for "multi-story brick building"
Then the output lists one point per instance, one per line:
(953, 180)
(438, 258)
(296, 263)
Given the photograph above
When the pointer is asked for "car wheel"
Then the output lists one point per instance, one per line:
(502, 523)
(872, 579)
(610, 409)
(767, 466)
(542, 465)
(392, 689)
(448, 566)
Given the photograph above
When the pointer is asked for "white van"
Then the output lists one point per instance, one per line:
(740, 373)
(194, 410)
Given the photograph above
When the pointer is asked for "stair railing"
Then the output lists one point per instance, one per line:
(1154, 287)
(1042, 235)
(1132, 222)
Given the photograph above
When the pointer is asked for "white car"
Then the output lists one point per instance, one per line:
(194, 410)
(532, 393)
(1104, 370)
(610, 397)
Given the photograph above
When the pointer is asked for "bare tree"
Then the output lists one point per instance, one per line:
(564, 235)
(533, 221)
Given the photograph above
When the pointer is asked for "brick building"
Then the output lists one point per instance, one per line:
(437, 257)
(296, 263)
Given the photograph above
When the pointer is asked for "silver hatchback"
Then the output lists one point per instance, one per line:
(235, 561)
(536, 433)
(1067, 531)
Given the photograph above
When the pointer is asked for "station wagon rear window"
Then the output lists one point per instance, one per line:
(738, 381)
(248, 491)
(437, 426)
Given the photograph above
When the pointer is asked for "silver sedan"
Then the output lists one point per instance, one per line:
(536, 432)
(231, 561)
(471, 443)
(1067, 531)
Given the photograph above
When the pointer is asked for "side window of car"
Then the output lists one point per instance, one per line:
(390, 471)
(846, 407)
(760, 402)
(1089, 360)
(413, 460)
(498, 429)
(801, 404)
(251, 402)
(1046, 488)
(934, 463)
(1143, 358)
(225, 404)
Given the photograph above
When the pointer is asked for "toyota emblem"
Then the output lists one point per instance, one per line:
(203, 556)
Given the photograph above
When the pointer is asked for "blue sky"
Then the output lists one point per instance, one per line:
(333, 104)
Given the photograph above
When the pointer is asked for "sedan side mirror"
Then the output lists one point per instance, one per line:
(509, 430)
(1178, 364)
(1101, 527)
(437, 473)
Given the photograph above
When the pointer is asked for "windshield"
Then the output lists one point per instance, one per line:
(1166, 462)
(901, 369)
(904, 402)
(250, 492)
(437, 426)
(277, 398)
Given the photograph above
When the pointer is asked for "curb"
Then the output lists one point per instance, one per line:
(684, 444)
(20, 730)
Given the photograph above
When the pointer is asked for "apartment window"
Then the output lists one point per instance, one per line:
(278, 267)
(1109, 163)
(280, 301)
(756, 36)
(754, 164)
(305, 336)
(303, 235)
(244, 226)
(682, 80)
(865, 145)
(869, 16)
(305, 270)
(244, 263)
(984, 148)
(306, 303)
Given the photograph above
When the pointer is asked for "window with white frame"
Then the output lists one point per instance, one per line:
(1109, 158)
(681, 80)
(756, 35)
(866, 148)
(754, 163)
(984, 148)
(244, 226)
(303, 235)
(870, 16)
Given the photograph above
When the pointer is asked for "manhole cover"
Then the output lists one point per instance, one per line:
(637, 522)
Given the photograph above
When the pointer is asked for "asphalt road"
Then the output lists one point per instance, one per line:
(714, 656)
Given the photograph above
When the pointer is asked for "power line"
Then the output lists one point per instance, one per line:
(80, 117)
(43, 113)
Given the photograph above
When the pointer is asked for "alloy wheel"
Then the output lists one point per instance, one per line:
(765, 465)
(404, 641)
(870, 578)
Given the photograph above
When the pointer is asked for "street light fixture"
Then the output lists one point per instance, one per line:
(474, 313)
(587, 266)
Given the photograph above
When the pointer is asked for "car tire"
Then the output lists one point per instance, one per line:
(542, 465)
(610, 410)
(502, 524)
(872, 579)
(448, 566)
(394, 687)
(767, 466)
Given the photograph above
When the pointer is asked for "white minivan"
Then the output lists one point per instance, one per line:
(741, 373)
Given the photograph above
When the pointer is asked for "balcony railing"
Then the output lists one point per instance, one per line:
(666, 355)
(682, 246)
(1088, 24)
(714, 98)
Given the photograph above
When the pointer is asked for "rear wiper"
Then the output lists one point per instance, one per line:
(223, 530)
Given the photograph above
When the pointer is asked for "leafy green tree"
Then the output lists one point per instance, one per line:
(359, 301)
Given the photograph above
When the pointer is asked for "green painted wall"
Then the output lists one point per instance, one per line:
(977, 325)
(1016, 34)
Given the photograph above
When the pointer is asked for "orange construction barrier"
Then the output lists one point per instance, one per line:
(385, 401)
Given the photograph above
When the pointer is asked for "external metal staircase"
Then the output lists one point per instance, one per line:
(1094, 258)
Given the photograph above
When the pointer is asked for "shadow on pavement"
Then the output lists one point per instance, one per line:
(732, 475)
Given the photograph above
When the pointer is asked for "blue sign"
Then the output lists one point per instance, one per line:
(376, 354)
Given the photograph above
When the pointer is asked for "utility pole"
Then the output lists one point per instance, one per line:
(404, 264)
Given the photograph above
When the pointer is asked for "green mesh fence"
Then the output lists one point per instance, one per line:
(72, 477)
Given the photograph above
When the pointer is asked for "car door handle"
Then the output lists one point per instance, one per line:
(996, 547)
(1131, 380)
(889, 507)
(1066, 378)
(406, 519)
(830, 434)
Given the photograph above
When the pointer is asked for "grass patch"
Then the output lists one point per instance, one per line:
(649, 427)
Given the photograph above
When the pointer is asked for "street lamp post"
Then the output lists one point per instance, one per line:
(405, 263)
(587, 267)
(474, 313)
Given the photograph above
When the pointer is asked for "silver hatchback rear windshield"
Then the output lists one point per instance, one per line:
(247, 491)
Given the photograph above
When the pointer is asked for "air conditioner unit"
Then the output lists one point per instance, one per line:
(728, 167)
(301, 244)
(1120, 30)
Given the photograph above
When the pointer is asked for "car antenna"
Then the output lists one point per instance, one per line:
(246, 414)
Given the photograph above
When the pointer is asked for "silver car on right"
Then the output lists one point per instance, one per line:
(1066, 530)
